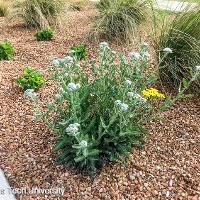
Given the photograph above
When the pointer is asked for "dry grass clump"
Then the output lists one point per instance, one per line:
(119, 18)
(4, 8)
(183, 37)
(39, 13)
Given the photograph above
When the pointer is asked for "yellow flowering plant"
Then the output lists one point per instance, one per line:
(152, 92)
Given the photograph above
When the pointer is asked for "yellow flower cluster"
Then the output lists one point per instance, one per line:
(152, 92)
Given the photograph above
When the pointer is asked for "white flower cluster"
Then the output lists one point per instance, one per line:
(73, 86)
(121, 105)
(146, 55)
(58, 97)
(145, 45)
(66, 60)
(198, 68)
(139, 56)
(30, 94)
(167, 50)
(137, 97)
(104, 45)
(72, 129)
(83, 143)
(135, 55)
(128, 82)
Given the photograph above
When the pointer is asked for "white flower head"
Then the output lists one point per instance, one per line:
(123, 106)
(68, 59)
(130, 94)
(72, 86)
(167, 50)
(118, 102)
(83, 143)
(66, 74)
(104, 45)
(30, 94)
(72, 52)
(140, 98)
(135, 55)
(56, 62)
(128, 82)
(72, 129)
(145, 44)
(78, 85)
(58, 97)
(146, 55)
(114, 52)
(198, 68)
(61, 90)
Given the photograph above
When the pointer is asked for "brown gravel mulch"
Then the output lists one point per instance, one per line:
(168, 167)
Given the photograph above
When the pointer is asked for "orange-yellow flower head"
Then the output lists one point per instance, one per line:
(152, 92)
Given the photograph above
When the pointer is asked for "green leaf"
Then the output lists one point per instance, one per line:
(79, 159)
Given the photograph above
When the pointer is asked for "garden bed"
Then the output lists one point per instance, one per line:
(167, 167)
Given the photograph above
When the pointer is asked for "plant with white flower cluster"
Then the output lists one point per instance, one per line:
(101, 117)
(30, 94)
(121, 105)
(72, 86)
(72, 129)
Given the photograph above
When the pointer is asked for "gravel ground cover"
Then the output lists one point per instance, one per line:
(167, 167)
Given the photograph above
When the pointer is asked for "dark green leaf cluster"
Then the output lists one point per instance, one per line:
(44, 35)
(79, 51)
(31, 79)
(6, 50)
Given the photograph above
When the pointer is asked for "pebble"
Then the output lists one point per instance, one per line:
(167, 194)
(131, 177)
(170, 183)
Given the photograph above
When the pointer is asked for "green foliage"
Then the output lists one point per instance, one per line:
(39, 13)
(99, 116)
(31, 79)
(183, 37)
(79, 52)
(45, 34)
(6, 50)
(118, 18)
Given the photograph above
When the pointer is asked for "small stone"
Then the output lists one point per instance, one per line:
(101, 190)
(146, 184)
(155, 192)
(103, 195)
(131, 177)
(167, 194)
(170, 183)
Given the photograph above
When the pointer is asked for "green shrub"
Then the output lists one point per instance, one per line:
(79, 52)
(99, 116)
(182, 35)
(31, 79)
(6, 50)
(45, 34)
(3, 9)
(39, 13)
(118, 18)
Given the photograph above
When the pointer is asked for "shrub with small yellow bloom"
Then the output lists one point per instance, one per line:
(152, 92)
